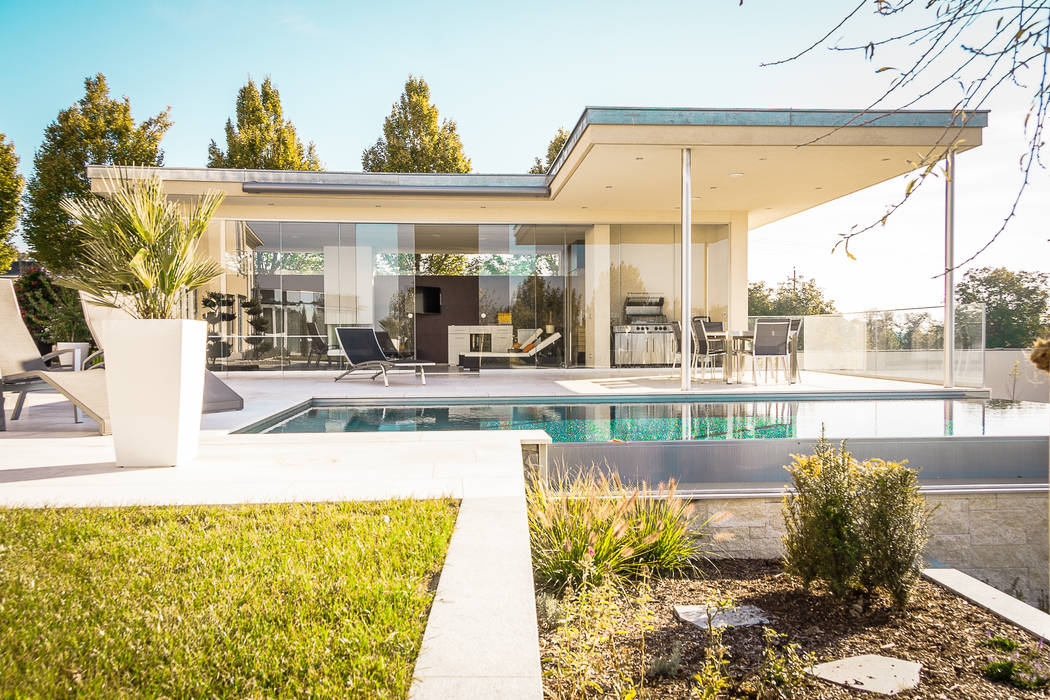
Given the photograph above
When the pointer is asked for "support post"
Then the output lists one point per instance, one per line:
(687, 271)
(949, 271)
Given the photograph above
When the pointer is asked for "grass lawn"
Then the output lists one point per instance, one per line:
(327, 599)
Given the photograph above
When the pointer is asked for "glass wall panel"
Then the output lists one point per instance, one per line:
(288, 285)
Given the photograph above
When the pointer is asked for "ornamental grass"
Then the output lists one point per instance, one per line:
(588, 529)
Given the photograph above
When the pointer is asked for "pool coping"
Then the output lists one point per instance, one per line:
(1015, 611)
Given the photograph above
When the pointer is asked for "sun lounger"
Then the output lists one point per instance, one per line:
(218, 396)
(473, 360)
(23, 369)
(362, 351)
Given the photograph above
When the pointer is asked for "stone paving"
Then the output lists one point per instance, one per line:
(704, 616)
(876, 674)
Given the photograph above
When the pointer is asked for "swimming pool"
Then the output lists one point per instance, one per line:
(633, 419)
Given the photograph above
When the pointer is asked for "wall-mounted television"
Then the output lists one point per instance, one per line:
(428, 300)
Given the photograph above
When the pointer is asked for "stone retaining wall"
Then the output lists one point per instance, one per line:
(999, 538)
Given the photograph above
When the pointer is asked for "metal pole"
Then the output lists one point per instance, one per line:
(949, 271)
(687, 270)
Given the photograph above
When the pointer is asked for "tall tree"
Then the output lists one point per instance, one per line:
(795, 296)
(412, 140)
(262, 137)
(96, 130)
(10, 202)
(1015, 304)
(553, 148)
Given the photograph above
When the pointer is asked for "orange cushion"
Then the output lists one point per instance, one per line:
(528, 347)
(516, 346)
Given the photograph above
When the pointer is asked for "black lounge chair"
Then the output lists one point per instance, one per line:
(362, 351)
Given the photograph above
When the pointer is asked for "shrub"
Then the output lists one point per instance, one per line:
(855, 526)
(823, 539)
(894, 523)
(588, 528)
(51, 313)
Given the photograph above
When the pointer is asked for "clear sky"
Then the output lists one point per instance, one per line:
(509, 74)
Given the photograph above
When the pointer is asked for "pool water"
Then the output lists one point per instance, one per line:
(636, 421)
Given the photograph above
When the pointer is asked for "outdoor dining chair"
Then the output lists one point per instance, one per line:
(707, 349)
(771, 344)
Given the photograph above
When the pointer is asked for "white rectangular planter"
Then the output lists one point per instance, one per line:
(155, 381)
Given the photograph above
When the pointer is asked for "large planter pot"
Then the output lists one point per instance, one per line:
(66, 359)
(155, 381)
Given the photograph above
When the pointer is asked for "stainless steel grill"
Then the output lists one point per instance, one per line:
(644, 345)
(647, 339)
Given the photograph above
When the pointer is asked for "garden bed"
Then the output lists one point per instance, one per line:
(277, 600)
(946, 634)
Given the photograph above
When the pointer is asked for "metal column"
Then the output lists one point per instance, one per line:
(687, 270)
(949, 271)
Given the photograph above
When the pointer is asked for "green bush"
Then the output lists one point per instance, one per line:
(51, 313)
(854, 526)
(588, 529)
(823, 539)
(894, 523)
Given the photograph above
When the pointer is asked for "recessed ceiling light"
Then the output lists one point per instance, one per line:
(885, 159)
(768, 208)
(639, 158)
(482, 206)
(584, 206)
(736, 174)
(713, 187)
(762, 158)
(608, 187)
(378, 205)
(819, 188)
(271, 204)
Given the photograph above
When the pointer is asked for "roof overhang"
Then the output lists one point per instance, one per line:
(626, 162)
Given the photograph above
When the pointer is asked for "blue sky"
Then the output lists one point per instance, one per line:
(510, 74)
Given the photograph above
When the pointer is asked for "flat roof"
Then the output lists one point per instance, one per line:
(529, 184)
(624, 164)
(822, 118)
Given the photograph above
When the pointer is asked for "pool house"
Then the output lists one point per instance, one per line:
(643, 209)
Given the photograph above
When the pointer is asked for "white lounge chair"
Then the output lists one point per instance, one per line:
(534, 351)
(23, 369)
(218, 396)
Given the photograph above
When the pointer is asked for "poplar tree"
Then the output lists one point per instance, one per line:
(413, 141)
(10, 202)
(553, 149)
(96, 130)
(262, 138)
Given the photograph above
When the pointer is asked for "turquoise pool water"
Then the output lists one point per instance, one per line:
(637, 421)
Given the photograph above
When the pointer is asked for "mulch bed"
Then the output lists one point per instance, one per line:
(937, 629)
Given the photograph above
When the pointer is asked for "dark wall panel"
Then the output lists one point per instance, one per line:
(459, 307)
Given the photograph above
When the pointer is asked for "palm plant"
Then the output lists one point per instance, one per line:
(140, 249)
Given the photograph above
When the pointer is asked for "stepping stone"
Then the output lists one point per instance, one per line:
(741, 616)
(877, 674)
